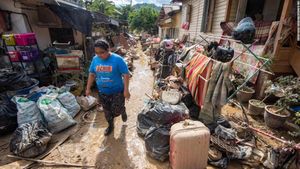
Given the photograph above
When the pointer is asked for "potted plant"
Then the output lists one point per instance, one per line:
(276, 115)
(256, 107)
(245, 94)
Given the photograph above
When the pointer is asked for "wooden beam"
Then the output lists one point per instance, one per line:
(284, 14)
(228, 9)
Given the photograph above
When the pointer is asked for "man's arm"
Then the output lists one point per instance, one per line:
(126, 86)
(90, 82)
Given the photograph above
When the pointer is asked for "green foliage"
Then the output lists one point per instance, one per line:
(125, 11)
(288, 87)
(104, 6)
(143, 19)
(297, 118)
(139, 6)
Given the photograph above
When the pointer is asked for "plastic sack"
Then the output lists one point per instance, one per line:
(164, 113)
(87, 102)
(8, 115)
(27, 110)
(30, 140)
(245, 31)
(55, 114)
(69, 101)
(157, 143)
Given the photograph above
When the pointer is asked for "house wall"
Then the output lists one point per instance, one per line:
(219, 15)
(20, 25)
(197, 8)
(270, 9)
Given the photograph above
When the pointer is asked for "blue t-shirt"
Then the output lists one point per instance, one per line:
(109, 73)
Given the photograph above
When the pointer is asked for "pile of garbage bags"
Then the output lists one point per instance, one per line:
(11, 80)
(154, 123)
(39, 114)
(8, 115)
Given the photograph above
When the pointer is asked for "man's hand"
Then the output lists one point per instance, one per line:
(126, 94)
(88, 92)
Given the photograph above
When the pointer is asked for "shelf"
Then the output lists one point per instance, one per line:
(21, 45)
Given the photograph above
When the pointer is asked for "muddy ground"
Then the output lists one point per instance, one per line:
(85, 143)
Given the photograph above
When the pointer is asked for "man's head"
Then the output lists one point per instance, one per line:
(102, 48)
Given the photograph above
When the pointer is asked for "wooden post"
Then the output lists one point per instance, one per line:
(284, 14)
(228, 9)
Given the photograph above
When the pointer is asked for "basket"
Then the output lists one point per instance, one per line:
(29, 55)
(14, 56)
(25, 39)
(9, 39)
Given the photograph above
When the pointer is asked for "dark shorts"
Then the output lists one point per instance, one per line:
(113, 105)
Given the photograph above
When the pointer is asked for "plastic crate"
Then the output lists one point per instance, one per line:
(25, 39)
(14, 56)
(9, 39)
(30, 54)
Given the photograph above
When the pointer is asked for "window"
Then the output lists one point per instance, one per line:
(62, 35)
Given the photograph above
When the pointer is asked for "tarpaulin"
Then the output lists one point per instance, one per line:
(78, 18)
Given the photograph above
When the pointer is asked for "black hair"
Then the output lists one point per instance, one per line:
(101, 43)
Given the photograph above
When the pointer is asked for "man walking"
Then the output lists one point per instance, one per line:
(112, 78)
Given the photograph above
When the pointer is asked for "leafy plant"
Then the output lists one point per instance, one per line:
(287, 88)
(297, 118)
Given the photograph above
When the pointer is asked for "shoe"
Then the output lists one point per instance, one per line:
(109, 129)
(124, 117)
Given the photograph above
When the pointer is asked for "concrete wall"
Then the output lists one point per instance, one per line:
(20, 25)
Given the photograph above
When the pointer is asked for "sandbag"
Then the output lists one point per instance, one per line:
(56, 116)
(245, 31)
(69, 101)
(164, 113)
(8, 115)
(157, 143)
(27, 110)
(86, 102)
(30, 140)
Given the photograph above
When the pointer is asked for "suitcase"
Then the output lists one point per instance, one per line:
(189, 144)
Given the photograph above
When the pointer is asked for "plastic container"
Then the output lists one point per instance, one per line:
(189, 145)
(14, 56)
(25, 39)
(30, 54)
(9, 39)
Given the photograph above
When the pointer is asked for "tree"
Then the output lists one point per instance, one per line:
(103, 6)
(124, 12)
(144, 19)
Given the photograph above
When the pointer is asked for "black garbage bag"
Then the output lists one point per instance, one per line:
(30, 140)
(13, 80)
(157, 142)
(188, 100)
(143, 124)
(245, 31)
(164, 113)
(223, 54)
(8, 115)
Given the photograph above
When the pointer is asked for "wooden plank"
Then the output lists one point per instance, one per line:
(285, 12)
(53, 163)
